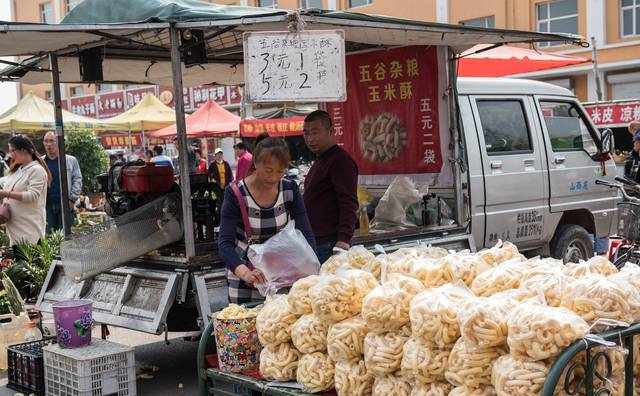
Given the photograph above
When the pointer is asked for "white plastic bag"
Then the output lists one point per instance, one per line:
(283, 259)
(392, 208)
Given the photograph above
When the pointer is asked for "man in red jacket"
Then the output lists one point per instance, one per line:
(330, 188)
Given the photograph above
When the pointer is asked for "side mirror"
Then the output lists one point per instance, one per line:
(608, 146)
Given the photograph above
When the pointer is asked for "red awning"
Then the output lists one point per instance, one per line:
(210, 120)
(290, 126)
(505, 60)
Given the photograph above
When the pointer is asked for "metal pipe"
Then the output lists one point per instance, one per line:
(62, 153)
(181, 131)
(455, 132)
(596, 72)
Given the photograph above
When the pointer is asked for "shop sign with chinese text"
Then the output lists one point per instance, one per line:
(84, 105)
(295, 67)
(110, 104)
(291, 126)
(617, 114)
(389, 123)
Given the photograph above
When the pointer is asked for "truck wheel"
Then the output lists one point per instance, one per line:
(572, 243)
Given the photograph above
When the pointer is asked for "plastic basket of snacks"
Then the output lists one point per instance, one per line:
(237, 344)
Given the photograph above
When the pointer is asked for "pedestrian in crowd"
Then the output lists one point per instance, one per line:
(25, 192)
(201, 163)
(330, 187)
(632, 164)
(259, 138)
(269, 202)
(220, 170)
(74, 183)
(148, 155)
(244, 159)
(159, 158)
(634, 127)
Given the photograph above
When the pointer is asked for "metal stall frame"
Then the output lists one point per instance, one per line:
(155, 46)
(620, 337)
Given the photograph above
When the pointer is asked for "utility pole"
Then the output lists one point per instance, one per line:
(596, 73)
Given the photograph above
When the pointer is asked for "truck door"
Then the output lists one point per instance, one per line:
(572, 147)
(514, 170)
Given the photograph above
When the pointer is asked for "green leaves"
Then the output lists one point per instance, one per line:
(16, 303)
(92, 158)
(29, 270)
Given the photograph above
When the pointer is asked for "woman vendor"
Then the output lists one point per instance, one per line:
(269, 202)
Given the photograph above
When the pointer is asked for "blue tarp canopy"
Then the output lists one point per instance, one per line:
(153, 11)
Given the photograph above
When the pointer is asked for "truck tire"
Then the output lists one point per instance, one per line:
(571, 244)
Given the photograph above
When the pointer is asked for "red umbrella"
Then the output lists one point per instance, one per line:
(210, 120)
(505, 60)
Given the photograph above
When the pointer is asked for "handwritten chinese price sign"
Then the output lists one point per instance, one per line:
(300, 67)
(389, 124)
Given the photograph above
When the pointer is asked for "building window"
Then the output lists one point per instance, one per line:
(630, 17)
(359, 3)
(76, 91)
(560, 16)
(46, 13)
(483, 22)
(70, 4)
(106, 87)
(47, 95)
(268, 3)
(311, 4)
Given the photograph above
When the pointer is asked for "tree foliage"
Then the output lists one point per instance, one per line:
(91, 156)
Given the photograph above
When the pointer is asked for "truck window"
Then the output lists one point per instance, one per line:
(566, 127)
(504, 126)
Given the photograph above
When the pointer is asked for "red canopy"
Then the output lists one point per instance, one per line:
(210, 120)
(290, 126)
(505, 60)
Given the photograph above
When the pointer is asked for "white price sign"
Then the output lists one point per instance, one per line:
(306, 66)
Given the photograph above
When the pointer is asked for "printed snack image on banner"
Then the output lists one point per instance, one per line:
(389, 123)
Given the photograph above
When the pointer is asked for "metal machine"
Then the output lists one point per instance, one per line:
(131, 266)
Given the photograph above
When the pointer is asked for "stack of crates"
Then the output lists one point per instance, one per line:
(101, 368)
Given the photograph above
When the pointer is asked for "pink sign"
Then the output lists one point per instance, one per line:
(110, 104)
(616, 114)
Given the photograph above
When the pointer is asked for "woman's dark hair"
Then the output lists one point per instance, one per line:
(260, 138)
(240, 146)
(21, 142)
(273, 147)
(158, 150)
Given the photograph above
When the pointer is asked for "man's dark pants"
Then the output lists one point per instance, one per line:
(54, 217)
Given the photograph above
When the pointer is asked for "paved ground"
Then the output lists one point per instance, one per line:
(175, 363)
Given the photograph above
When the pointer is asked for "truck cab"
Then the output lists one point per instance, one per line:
(533, 155)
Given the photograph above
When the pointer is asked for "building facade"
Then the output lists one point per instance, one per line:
(613, 25)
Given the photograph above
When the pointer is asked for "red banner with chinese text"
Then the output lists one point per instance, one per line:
(201, 94)
(614, 114)
(291, 126)
(109, 141)
(389, 123)
(110, 104)
(84, 105)
(135, 95)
